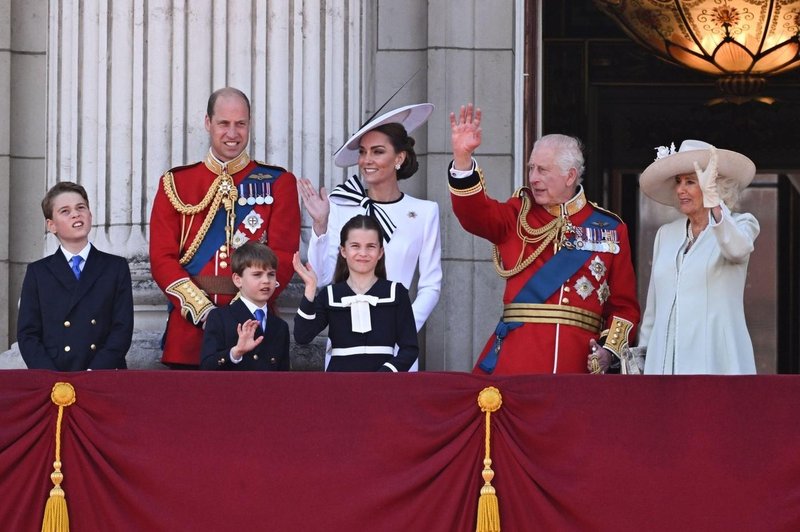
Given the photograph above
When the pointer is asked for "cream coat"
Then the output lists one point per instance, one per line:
(710, 331)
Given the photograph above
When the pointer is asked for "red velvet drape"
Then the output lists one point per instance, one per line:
(174, 451)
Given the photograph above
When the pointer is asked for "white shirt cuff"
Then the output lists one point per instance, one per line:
(460, 174)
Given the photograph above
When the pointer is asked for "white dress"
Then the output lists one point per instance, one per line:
(414, 245)
(694, 319)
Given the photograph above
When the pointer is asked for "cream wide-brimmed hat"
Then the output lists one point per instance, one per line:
(658, 180)
(410, 116)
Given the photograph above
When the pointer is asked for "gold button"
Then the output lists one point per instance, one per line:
(616, 335)
(273, 360)
(94, 322)
(223, 255)
(221, 361)
(255, 357)
(93, 347)
(67, 324)
(565, 300)
(223, 248)
(566, 289)
(223, 264)
(66, 348)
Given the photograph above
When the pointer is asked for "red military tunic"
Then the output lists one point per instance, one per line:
(196, 277)
(598, 301)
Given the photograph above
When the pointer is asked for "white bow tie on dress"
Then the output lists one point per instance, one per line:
(359, 311)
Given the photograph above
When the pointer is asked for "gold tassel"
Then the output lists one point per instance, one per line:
(489, 401)
(56, 517)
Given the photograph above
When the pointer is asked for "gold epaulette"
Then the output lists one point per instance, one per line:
(195, 305)
(271, 166)
(616, 335)
(599, 208)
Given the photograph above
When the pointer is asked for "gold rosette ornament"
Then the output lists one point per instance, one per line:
(489, 400)
(56, 518)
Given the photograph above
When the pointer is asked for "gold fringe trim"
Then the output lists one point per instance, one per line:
(489, 400)
(56, 517)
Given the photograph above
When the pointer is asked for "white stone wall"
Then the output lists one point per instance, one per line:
(111, 99)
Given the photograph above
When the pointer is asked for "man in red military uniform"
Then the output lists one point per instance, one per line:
(570, 298)
(204, 211)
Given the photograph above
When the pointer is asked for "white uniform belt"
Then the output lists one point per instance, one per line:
(362, 350)
(554, 314)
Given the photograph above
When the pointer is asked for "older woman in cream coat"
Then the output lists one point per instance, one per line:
(694, 320)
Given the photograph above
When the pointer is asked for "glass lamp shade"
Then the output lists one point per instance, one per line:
(742, 41)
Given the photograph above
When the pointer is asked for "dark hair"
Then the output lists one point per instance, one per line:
(58, 189)
(360, 221)
(253, 254)
(401, 142)
(225, 91)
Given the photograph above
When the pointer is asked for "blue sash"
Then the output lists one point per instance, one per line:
(215, 236)
(543, 283)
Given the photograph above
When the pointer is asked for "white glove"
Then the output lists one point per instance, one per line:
(708, 180)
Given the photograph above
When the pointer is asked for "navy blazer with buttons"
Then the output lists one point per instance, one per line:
(221, 334)
(70, 324)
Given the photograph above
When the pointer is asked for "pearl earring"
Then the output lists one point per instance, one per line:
(397, 167)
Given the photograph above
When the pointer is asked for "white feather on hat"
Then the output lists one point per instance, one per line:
(658, 180)
(410, 116)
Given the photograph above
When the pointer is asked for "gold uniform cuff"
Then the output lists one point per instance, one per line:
(474, 189)
(195, 305)
(617, 335)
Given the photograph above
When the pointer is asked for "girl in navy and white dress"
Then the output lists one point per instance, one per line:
(384, 152)
(367, 316)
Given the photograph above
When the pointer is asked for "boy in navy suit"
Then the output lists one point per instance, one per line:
(244, 335)
(76, 308)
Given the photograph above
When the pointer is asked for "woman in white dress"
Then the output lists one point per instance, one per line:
(694, 320)
(384, 153)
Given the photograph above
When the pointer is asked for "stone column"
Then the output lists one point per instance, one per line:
(470, 52)
(22, 147)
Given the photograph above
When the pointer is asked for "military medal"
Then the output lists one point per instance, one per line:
(268, 199)
(603, 293)
(253, 222)
(242, 200)
(584, 287)
(251, 199)
(238, 239)
(260, 194)
(597, 267)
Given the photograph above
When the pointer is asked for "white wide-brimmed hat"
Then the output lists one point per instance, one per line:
(410, 116)
(658, 180)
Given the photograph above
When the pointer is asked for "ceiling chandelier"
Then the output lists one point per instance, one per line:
(741, 41)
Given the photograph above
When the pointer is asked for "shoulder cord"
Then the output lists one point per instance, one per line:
(528, 235)
(213, 198)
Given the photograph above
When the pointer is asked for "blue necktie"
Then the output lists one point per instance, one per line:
(76, 266)
(259, 313)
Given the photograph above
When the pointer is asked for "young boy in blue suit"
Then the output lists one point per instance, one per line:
(243, 335)
(76, 308)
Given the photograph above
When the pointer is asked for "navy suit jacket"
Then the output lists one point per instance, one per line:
(67, 324)
(272, 354)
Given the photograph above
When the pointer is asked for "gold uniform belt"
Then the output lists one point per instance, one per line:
(555, 314)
